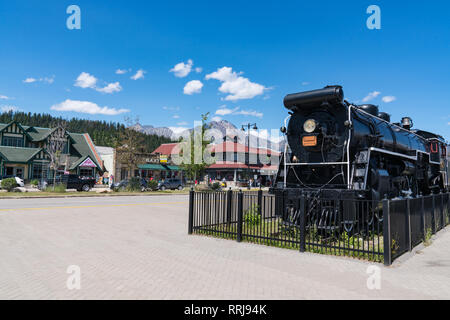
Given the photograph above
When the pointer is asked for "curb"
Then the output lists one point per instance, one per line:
(93, 196)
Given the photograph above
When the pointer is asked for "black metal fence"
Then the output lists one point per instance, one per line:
(412, 221)
(345, 227)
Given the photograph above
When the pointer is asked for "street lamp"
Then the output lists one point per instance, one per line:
(248, 125)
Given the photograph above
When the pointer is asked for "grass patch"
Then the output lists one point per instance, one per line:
(427, 239)
(272, 232)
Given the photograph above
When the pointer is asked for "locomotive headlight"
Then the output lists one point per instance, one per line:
(309, 126)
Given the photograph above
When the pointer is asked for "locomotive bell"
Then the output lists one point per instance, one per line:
(407, 123)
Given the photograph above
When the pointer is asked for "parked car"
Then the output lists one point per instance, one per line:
(172, 183)
(19, 181)
(74, 181)
(122, 185)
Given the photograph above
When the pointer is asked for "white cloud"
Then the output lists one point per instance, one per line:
(86, 107)
(250, 113)
(183, 123)
(182, 69)
(29, 80)
(194, 86)
(45, 79)
(4, 97)
(122, 71)
(7, 108)
(389, 99)
(198, 70)
(237, 86)
(223, 111)
(48, 80)
(138, 75)
(305, 83)
(371, 96)
(216, 118)
(171, 108)
(175, 116)
(85, 80)
(110, 88)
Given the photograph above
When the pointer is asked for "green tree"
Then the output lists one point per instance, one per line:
(194, 164)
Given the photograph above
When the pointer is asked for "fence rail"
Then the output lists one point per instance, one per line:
(378, 231)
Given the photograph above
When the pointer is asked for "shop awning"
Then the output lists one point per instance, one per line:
(149, 166)
(174, 168)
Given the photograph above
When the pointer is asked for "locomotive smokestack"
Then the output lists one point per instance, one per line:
(330, 94)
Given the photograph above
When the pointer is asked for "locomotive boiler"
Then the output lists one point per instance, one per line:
(338, 148)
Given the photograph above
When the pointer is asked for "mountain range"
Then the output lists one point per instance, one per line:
(224, 126)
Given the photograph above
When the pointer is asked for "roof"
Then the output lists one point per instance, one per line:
(83, 148)
(229, 146)
(38, 134)
(19, 155)
(167, 149)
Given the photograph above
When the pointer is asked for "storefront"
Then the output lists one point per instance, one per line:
(158, 171)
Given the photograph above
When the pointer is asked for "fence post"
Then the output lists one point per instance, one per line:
(302, 209)
(240, 215)
(442, 211)
(191, 211)
(408, 223)
(422, 212)
(387, 233)
(229, 202)
(433, 217)
(259, 202)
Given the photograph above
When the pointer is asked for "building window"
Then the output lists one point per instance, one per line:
(12, 141)
(40, 171)
(86, 172)
(66, 148)
(123, 174)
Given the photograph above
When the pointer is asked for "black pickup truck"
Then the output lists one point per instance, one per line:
(73, 181)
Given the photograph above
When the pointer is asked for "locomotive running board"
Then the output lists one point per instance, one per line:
(414, 158)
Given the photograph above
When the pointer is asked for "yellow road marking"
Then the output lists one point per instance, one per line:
(95, 206)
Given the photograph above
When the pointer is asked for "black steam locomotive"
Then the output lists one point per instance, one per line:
(336, 148)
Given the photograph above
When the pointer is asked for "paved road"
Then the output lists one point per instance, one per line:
(138, 248)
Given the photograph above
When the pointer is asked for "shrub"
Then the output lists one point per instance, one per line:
(9, 184)
(134, 184)
(34, 182)
(153, 184)
(251, 216)
(59, 188)
(216, 186)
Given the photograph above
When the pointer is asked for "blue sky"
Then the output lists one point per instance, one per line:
(269, 49)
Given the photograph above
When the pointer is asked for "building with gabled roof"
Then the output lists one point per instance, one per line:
(23, 153)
